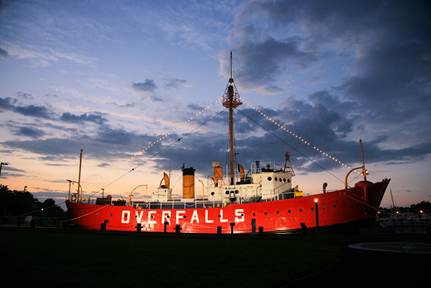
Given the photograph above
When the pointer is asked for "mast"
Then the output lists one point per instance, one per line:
(79, 177)
(231, 100)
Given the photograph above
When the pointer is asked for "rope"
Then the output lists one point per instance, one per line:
(89, 213)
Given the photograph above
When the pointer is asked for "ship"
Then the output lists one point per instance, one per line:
(262, 199)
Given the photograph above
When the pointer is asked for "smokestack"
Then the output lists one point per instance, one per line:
(188, 183)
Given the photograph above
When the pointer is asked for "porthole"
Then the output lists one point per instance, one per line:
(288, 211)
(275, 178)
(236, 191)
(212, 193)
(300, 210)
(269, 178)
(288, 180)
(254, 214)
(266, 213)
(227, 192)
(284, 179)
(277, 212)
(333, 206)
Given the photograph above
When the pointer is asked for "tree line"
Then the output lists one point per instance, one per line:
(19, 203)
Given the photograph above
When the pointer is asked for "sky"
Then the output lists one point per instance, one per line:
(137, 86)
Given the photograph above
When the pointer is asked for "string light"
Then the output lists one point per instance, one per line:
(159, 140)
(283, 127)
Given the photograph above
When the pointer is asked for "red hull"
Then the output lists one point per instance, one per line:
(334, 208)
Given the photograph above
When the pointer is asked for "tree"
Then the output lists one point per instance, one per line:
(18, 203)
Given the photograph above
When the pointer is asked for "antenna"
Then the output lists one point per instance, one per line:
(231, 69)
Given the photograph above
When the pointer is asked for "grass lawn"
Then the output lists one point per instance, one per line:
(79, 258)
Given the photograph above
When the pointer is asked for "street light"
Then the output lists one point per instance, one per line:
(1, 165)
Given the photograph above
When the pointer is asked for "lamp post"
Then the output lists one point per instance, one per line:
(1, 165)
(316, 210)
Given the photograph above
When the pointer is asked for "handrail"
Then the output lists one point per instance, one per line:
(347, 176)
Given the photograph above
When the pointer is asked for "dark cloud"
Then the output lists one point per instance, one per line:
(148, 89)
(29, 110)
(195, 107)
(24, 95)
(147, 86)
(3, 53)
(386, 96)
(260, 62)
(29, 132)
(320, 120)
(175, 83)
(103, 165)
(10, 171)
(108, 143)
(86, 117)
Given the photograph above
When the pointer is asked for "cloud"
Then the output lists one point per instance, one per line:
(95, 117)
(10, 171)
(147, 86)
(175, 83)
(24, 95)
(375, 57)
(108, 143)
(29, 132)
(44, 56)
(261, 61)
(28, 110)
(3, 53)
(44, 112)
(147, 89)
(103, 165)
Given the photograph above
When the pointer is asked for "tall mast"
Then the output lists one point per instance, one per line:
(79, 177)
(231, 100)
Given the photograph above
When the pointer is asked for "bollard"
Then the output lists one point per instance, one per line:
(138, 227)
(177, 229)
(231, 227)
(253, 226)
(218, 230)
(165, 226)
(316, 209)
(103, 226)
(260, 230)
(32, 223)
